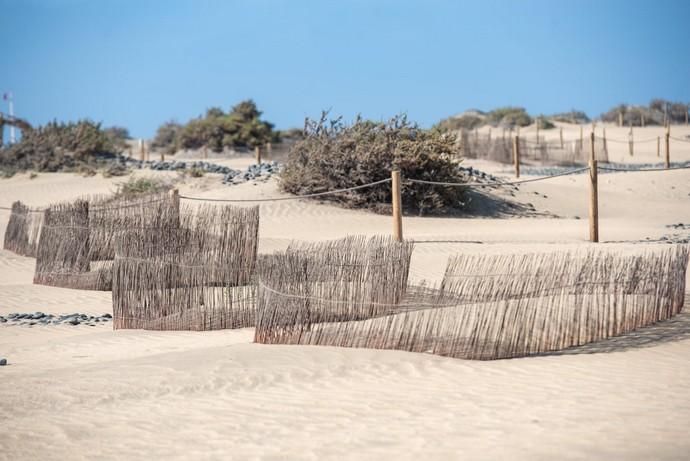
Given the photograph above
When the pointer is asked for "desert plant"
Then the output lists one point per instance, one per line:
(196, 172)
(139, 186)
(241, 127)
(574, 116)
(335, 155)
(461, 122)
(167, 137)
(544, 123)
(509, 116)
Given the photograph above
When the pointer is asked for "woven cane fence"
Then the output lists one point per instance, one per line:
(487, 307)
(500, 149)
(23, 230)
(197, 276)
(76, 244)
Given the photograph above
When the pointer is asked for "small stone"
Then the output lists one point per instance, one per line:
(107, 316)
(3, 362)
(74, 322)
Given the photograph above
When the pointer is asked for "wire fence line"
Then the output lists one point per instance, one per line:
(387, 180)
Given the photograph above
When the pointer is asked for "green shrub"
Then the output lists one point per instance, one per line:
(196, 173)
(242, 127)
(509, 116)
(334, 155)
(118, 137)
(57, 146)
(460, 122)
(574, 116)
(544, 123)
(167, 137)
(138, 186)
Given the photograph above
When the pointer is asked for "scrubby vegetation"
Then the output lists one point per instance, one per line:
(59, 146)
(509, 116)
(241, 127)
(336, 155)
(139, 186)
(656, 113)
(467, 121)
(118, 137)
(574, 116)
(544, 123)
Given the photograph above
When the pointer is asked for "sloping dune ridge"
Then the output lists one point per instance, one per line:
(93, 393)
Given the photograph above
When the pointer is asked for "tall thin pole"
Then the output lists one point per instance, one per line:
(13, 139)
(593, 195)
(397, 205)
(668, 147)
(516, 155)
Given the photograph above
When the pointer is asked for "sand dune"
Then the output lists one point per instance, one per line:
(89, 392)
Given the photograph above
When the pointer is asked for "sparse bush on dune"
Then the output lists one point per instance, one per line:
(656, 113)
(574, 116)
(335, 155)
(509, 117)
(167, 137)
(118, 136)
(58, 146)
(544, 123)
(467, 121)
(242, 127)
(139, 186)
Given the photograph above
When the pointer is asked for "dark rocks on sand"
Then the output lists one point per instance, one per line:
(3, 362)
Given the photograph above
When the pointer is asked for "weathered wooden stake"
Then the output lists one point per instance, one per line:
(593, 195)
(489, 134)
(658, 146)
(162, 156)
(175, 196)
(630, 141)
(582, 139)
(620, 118)
(516, 155)
(537, 131)
(257, 152)
(560, 134)
(668, 147)
(606, 149)
(269, 149)
(397, 205)
(642, 120)
(141, 150)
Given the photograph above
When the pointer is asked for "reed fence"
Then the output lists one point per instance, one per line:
(487, 307)
(23, 230)
(197, 276)
(76, 244)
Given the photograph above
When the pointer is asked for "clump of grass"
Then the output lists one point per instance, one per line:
(140, 186)
(33, 175)
(196, 173)
(7, 173)
(86, 170)
(115, 170)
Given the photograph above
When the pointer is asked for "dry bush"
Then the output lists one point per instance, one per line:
(335, 155)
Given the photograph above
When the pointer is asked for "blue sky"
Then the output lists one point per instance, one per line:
(138, 63)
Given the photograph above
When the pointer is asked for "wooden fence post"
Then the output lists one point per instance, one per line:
(582, 139)
(516, 155)
(257, 152)
(537, 131)
(593, 195)
(606, 149)
(175, 197)
(142, 154)
(642, 120)
(658, 146)
(397, 205)
(668, 147)
(620, 118)
(489, 134)
(560, 134)
(630, 141)
(269, 149)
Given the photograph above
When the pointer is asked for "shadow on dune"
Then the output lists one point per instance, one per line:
(671, 330)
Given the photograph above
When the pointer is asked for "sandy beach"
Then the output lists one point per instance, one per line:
(81, 392)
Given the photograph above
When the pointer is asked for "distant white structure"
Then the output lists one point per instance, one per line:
(8, 97)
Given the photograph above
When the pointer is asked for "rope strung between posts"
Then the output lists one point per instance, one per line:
(679, 139)
(294, 197)
(626, 170)
(510, 183)
(626, 141)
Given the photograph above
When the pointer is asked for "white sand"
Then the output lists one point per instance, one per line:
(88, 392)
